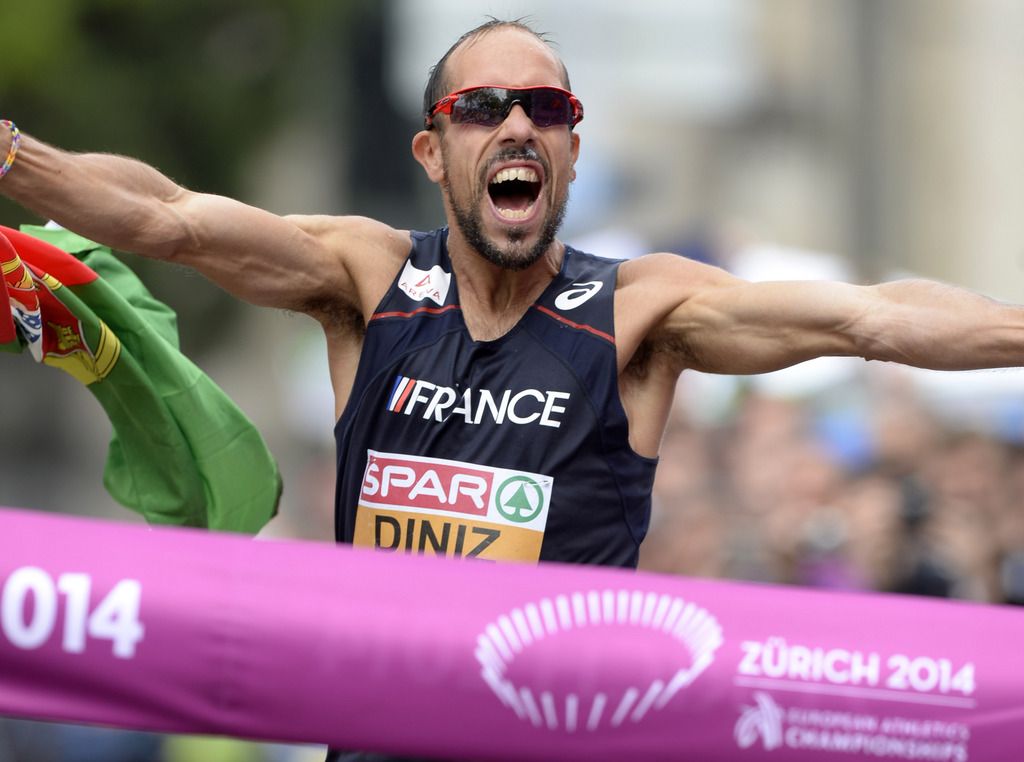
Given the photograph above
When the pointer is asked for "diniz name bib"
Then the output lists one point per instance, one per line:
(451, 508)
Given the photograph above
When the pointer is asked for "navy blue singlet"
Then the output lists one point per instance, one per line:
(514, 449)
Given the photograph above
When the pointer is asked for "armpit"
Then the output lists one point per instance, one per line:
(662, 352)
(335, 315)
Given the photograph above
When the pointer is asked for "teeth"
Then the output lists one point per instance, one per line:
(514, 214)
(525, 174)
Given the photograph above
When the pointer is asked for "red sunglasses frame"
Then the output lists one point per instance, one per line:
(447, 103)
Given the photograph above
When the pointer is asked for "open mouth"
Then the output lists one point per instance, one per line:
(514, 191)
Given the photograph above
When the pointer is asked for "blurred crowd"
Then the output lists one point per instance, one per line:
(881, 492)
(24, 741)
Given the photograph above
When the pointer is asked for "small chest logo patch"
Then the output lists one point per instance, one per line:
(430, 284)
(577, 294)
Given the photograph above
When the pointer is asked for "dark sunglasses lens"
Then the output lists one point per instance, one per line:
(486, 106)
(550, 108)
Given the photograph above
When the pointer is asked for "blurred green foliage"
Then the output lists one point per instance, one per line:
(189, 86)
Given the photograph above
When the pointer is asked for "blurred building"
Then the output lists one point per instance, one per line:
(888, 132)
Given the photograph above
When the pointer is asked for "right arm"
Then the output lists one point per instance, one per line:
(288, 262)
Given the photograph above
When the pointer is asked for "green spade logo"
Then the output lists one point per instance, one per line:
(519, 499)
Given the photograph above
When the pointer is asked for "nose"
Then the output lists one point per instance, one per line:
(518, 127)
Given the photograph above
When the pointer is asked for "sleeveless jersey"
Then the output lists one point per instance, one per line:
(514, 449)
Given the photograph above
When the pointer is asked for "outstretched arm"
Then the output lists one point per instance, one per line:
(288, 262)
(721, 324)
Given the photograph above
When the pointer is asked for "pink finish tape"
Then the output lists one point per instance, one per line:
(186, 631)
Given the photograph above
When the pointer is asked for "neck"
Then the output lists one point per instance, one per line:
(494, 298)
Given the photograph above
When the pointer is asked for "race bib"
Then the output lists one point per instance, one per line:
(451, 508)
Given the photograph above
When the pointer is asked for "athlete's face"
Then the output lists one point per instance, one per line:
(506, 187)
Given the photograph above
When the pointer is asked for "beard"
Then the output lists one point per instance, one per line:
(515, 254)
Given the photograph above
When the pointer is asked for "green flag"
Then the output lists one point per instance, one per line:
(182, 452)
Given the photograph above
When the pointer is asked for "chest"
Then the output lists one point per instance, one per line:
(486, 323)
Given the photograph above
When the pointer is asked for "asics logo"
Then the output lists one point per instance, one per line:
(577, 294)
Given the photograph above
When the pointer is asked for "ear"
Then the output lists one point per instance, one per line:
(426, 148)
(574, 147)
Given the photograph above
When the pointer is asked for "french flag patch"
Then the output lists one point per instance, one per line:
(400, 393)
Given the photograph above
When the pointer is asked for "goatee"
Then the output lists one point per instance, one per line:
(515, 255)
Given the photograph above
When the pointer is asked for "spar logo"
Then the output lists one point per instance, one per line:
(520, 499)
(423, 399)
(431, 284)
(425, 485)
(515, 652)
(457, 488)
(451, 508)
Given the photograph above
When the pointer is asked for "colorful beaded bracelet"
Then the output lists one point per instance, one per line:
(13, 150)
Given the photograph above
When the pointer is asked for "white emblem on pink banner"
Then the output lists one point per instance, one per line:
(601, 618)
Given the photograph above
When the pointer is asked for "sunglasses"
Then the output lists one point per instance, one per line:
(489, 106)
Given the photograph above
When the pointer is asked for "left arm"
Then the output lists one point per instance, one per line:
(717, 323)
(932, 325)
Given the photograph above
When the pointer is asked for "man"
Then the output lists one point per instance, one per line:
(500, 395)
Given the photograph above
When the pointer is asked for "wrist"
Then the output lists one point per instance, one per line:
(10, 140)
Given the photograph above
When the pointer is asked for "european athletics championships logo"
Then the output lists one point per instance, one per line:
(595, 617)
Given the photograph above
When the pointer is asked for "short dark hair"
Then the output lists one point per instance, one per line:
(438, 84)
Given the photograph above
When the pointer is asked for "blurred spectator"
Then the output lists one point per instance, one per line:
(44, 742)
(880, 491)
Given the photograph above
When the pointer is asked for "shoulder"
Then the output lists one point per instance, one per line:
(364, 253)
(670, 272)
(662, 301)
(351, 235)
(579, 265)
(651, 288)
